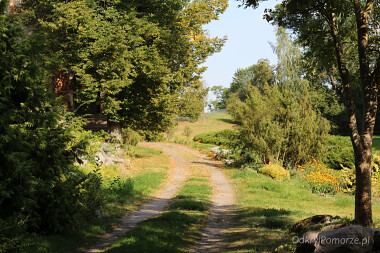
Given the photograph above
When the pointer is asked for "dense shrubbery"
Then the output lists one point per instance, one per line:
(279, 126)
(40, 188)
(349, 178)
(223, 137)
(130, 137)
(339, 152)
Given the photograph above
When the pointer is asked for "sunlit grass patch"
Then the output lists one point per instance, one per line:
(211, 123)
(268, 208)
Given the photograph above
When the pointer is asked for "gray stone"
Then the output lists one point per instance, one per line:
(306, 243)
(215, 149)
(313, 220)
(351, 239)
(228, 162)
(376, 239)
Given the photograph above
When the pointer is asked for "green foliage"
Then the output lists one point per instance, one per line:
(221, 95)
(120, 190)
(130, 137)
(223, 137)
(339, 152)
(259, 75)
(192, 102)
(275, 171)
(280, 125)
(277, 120)
(348, 177)
(136, 62)
(40, 188)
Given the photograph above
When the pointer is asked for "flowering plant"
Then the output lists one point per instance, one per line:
(321, 179)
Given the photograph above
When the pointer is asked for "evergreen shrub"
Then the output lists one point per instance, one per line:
(275, 171)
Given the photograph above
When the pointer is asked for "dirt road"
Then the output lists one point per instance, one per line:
(223, 200)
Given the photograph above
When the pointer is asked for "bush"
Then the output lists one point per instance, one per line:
(279, 124)
(224, 137)
(339, 152)
(275, 171)
(130, 137)
(348, 177)
(120, 189)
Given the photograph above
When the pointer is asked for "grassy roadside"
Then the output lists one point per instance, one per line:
(212, 122)
(268, 208)
(177, 229)
(127, 187)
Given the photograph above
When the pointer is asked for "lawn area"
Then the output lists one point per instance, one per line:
(177, 229)
(267, 208)
(212, 122)
(376, 145)
(128, 186)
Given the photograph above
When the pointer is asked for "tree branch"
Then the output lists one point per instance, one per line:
(345, 76)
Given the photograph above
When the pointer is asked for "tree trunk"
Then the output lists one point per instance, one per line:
(361, 142)
(363, 208)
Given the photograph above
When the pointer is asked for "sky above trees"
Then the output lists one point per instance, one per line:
(248, 40)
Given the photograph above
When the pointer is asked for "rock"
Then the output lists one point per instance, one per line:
(116, 160)
(313, 220)
(215, 149)
(351, 239)
(376, 239)
(306, 243)
(105, 147)
(228, 162)
(223, 153)
(334, 226)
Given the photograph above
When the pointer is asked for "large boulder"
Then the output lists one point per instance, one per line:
(311, 221)
(376, 239)
(306, 243)
(351, 239)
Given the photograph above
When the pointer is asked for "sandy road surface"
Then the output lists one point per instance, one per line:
(222, 201)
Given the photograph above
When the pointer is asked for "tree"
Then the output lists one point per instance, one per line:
(40, 188)
(191, 103)
(343, 38)
(220, 94)
(275, 115)
(132, 61)
(259, 75)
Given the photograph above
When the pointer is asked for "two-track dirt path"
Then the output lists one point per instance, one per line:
(223, 200)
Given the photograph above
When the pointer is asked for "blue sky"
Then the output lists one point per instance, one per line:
(248, 40)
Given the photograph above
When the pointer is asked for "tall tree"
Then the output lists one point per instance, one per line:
(274, 111)
(259, 75)
(343, 36)
(130, 60)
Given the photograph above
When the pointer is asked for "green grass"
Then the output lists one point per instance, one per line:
(122, 195)
(178, 228)
(268, 208)
(376, 145)
(212, 122)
